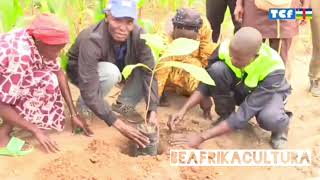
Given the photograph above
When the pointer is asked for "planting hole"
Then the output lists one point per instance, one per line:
(131, 150)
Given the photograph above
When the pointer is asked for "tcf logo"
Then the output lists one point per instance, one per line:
(290, 14)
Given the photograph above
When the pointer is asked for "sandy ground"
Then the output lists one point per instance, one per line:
(105, 156)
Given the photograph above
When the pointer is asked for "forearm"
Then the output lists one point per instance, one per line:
(194, 99)
(239, 3)
(218, 130)
(65, 90)
(10, 115)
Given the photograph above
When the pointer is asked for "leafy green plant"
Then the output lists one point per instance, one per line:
(147, 25)
(10, 12)
(161, 50)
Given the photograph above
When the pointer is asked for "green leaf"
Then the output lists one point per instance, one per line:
(164, 3)
(197, 72)
(64, 61)
(129, 68)
(156, 43)
(10, 12)
(141, 3)
(181, 47)
(147, 25)
(191, 2)
(100, 6)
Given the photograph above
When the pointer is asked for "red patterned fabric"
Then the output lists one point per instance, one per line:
(29, 84)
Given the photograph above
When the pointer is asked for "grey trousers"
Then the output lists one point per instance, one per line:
(110, 75)
(230, 91)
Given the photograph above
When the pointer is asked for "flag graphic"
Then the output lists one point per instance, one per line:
(304, 14)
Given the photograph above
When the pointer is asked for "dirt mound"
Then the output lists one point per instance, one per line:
(69, 166)
(102, 160)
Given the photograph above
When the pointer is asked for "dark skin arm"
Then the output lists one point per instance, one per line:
(10, 116)
(131, 133)
(76, 121)
(194, 99)
(194, 141)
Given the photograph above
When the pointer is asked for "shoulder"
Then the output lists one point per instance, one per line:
(17, 42)
(16, 49)
(137, 31)
(94, 33)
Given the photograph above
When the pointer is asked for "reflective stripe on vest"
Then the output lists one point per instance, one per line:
(267, 61)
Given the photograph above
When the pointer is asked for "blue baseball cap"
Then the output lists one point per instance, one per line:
(122, 8)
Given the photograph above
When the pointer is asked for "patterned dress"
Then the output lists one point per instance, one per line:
(181, 80)
(28, 83)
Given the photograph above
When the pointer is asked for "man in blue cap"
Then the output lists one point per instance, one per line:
(96, 60)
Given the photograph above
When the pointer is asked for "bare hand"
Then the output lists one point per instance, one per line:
(175, 119)
(77, 122)
(205, 105)
(48, 144)
(238, 13)
(131, 133)
(189, 141)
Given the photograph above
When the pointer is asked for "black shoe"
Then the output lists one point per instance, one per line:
(280, 140)
(127, 112)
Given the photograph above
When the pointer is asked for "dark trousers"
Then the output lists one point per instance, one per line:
(215, 13)
(230, 91)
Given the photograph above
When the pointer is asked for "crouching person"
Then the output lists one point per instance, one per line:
(250, 74)
(96, 60)
(32, 85)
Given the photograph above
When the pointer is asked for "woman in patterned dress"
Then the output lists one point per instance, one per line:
(32, 85)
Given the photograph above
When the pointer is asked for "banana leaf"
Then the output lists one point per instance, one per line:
(126, 72)
(198, 73)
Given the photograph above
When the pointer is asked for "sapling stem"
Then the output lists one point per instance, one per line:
(149, 95)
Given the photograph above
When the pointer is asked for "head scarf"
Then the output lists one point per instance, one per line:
(49, 29)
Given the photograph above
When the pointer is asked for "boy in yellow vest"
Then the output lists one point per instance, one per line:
(250, 74)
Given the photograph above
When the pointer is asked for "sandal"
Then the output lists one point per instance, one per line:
(14, 148)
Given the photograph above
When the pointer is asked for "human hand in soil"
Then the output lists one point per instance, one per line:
(77, 122)
(48, 144)
(205, 105)
(189, 141)
(131, 133)
(175, 119)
